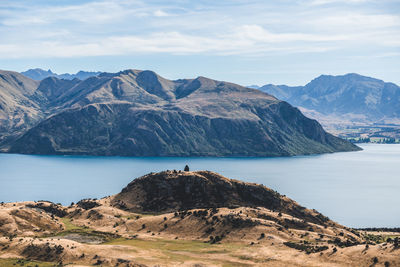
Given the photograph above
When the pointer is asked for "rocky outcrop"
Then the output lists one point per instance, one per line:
(171, 191)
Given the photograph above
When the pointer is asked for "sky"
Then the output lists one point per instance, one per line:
(243, 41)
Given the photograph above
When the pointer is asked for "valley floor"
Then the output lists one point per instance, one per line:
(367, 133)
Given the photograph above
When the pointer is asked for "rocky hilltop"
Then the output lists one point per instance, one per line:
(172, 191)
(175, 218)
(139, 113)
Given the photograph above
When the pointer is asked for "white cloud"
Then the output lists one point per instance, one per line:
(160, 13)
(230, 28)
(350, 21)
(325, 2)
(92, 13)
(258, 33)
(249, 39)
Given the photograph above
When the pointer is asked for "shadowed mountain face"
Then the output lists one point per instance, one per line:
(39, 74)
(350, 96)
(138, 113)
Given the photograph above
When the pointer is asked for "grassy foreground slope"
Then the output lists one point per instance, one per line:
(193, 219)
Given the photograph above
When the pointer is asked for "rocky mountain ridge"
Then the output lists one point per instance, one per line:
(139, 113)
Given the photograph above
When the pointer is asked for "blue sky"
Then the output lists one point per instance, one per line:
(247, 42)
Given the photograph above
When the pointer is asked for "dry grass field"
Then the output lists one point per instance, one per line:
(97, 233)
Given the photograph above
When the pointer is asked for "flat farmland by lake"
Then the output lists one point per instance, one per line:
(357, 189)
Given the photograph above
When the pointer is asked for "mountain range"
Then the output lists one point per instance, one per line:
(139, 113)
(344, 98)
(40, 74)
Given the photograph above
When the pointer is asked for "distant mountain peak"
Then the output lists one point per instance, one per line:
(40, 74)
(129, 71)
(345, 76)
(343, 97)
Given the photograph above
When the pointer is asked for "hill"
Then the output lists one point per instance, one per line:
(139, 113)
(186, 219)
(173, 191)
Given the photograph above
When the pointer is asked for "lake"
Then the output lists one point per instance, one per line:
(356, 189)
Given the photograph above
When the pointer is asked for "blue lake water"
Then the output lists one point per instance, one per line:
(357, 189)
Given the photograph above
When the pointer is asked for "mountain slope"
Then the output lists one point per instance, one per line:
(18, 110)
(139, 113)
(351, 97)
